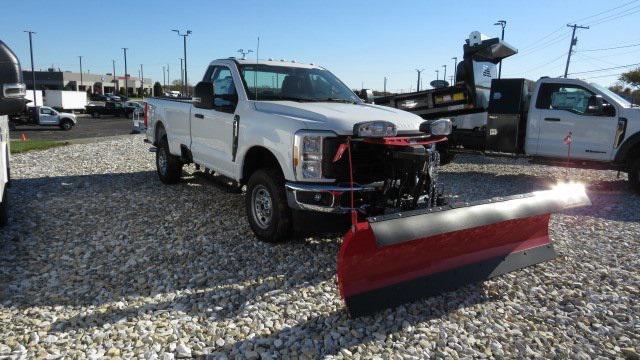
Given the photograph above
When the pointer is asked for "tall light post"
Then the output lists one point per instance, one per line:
(168, 79)
(33, 73)
(419, 71)
(126, 75)
(184, 44)
(80, 57)
(455, 68)
(502, 24)
(115, 81)
(181, 76)
(437, 74)
(142, 81)
(444, 77)
(164, 79)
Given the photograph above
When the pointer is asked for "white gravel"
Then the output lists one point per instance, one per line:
(101, 259)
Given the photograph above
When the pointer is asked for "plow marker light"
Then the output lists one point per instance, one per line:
(391, 259)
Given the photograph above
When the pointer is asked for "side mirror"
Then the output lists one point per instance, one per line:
(203, 95)
(12, 89)
(596, 104)
(367, 95)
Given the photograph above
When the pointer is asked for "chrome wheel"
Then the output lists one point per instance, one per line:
(261, 206)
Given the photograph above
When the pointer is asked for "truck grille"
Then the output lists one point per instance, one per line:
(368, 162)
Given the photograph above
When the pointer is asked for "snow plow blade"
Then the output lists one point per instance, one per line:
(388, 260)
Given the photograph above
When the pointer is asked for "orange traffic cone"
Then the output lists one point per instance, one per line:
(23, 137)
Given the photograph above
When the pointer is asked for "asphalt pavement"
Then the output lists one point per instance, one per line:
(86, 127)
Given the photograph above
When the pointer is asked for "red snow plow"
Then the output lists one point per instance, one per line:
(408, 243)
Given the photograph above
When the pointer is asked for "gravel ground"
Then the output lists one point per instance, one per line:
(101, 259)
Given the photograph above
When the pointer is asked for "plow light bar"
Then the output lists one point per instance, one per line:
(440, 127)
(375, 129)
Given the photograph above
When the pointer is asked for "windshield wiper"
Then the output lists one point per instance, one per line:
(336, 100)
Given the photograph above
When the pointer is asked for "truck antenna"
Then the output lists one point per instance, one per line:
(255, 73)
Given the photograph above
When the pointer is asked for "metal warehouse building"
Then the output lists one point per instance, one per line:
(93, 83)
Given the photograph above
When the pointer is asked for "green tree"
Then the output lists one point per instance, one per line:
(631, 77)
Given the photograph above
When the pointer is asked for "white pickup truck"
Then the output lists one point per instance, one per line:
(278, 127)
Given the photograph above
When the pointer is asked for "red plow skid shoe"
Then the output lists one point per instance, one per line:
(392, 259)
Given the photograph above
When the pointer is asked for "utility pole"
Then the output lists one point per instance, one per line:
(126, 75)
(164, 79)
(502, 24)
(33, 73)
(574, 41)
(141, 81)
(445, 73)
(115, 81)
(384, 91)
(181, 76)
(437, 74)
(80, 72)
(168, 79)
(455, 69)
(184, 44)
(419, 71)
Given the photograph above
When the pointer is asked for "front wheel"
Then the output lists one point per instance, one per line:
(168, 166)
(634, 175)
(266, 206)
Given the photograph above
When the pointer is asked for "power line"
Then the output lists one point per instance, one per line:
(574, 41)
(617, 15)
(604, 69)
(602, 76)
(546, 63)
(606, 11)
(610, 48)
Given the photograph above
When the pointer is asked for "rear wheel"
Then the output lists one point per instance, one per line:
(266, 206)
(3, 208)
(66, 124)
(168, 167)
(634, 175)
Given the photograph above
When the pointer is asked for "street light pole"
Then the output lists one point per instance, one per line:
(502, 24)
(164, 79)
(168, 79)
(80, 72)
(437, 74)
(445, 73)
(184, 44)
(181, 76)
(419, 72)
(115, 81)
(126, 75)
(33, 73)
(142, 81)
(455, 68)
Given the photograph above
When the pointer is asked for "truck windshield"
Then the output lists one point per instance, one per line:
(294, 83)
(619, 99)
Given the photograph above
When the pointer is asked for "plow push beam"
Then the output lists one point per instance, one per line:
(388, 260)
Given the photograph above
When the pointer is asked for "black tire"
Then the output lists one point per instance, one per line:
(634, 175)
(446, 155)
(270, 225)
(66, 124)
(4, 204)
(168, 167)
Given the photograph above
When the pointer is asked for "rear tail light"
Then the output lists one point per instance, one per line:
(146, 114)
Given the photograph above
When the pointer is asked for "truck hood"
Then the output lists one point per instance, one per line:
(339, 117)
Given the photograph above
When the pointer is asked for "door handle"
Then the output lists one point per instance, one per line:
(551, 119)
(199, 116)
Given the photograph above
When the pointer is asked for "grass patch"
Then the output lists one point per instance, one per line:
(19, 146)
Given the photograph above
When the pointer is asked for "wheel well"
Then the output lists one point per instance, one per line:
(159, 127)
(257, 158)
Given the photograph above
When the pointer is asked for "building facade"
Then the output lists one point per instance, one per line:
(91, 83)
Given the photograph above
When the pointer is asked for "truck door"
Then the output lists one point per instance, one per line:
(571, 109)
(212, 129)
(47, 116)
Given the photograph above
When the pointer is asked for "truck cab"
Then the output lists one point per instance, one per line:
(597, 120)
(45, 116)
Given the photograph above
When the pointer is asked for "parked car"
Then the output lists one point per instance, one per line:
(112, 97)
(44, 116)
(99, 97)
(113, 108)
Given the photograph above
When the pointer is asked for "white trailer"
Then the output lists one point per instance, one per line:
(65, 100)
(29, 96)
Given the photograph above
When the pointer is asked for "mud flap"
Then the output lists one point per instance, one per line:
(389, 260)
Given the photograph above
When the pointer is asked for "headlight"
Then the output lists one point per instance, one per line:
(307, 154)
(374, 129)
(438, 127)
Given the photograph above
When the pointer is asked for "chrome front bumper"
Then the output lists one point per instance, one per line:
(323, 197)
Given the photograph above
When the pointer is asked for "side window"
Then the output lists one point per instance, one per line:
(571, 98)
(45, 111)
(226, 96)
